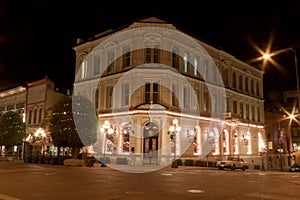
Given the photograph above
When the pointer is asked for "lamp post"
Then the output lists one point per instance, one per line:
(174, 129)
(40, 134)
(267, 56)
(107, 131)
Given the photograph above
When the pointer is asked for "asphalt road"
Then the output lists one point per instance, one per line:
(23, 181)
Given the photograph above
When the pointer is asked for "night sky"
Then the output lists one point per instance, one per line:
(36, 37)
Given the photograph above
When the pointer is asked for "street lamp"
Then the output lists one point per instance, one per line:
(107, 131)
(40, 134)
(268, 56)
(174, 129)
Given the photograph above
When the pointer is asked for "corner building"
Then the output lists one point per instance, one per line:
(161, 94)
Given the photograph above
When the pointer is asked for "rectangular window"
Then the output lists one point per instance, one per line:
(109, 97)
(40, 115)
(185, 63)
(111, 61)
(196, 105)
(175, 59)
(97, 99)
(234, 106)
(155, 93)
(247, 112)
(125, 95)
(185, 97)
(242, 110)
(34, 116)
(233, 79)
(205, 69)
(258, 114)
(240, 82)
(214, 73)
(147, 93)
(96, 65)
(83, 69)
(148, 55)
(253, 112)
(246, 85)
(195, 66)
(30, 117)
(174, 96)
(126, 57)
(156, 56)
(257, 89)
(205, 102)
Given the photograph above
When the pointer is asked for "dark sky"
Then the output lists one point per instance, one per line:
(36, 37)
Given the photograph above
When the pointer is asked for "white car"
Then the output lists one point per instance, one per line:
(232, 163)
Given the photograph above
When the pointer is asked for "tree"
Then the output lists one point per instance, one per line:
(12, 130)
(66, 132)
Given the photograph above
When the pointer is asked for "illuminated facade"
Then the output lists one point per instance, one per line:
(144, 81)
(40, 100)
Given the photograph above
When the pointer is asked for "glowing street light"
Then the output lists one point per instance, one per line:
(174, 129)
(268, 57)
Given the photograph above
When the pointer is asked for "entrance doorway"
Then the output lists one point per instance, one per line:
(150, 136)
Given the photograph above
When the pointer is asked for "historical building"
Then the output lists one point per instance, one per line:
(41, 97)
(161, 94)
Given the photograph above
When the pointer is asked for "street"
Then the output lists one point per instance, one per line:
(24, 181)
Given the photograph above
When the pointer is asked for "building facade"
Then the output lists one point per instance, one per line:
(161, 94)
(41, 97)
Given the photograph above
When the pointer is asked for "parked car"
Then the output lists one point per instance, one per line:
(232, 163)
(295, 168)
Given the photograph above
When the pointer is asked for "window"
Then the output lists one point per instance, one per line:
(205, 102)
(156, 58)
(40, 115)
(175, 59)
(252, 86)
(240, 82)
(214, 70)
(246, 85)
(258, 114)
(225, 77)
(111, 61)
(96, 65)
(195, 66)
(174, 96)
(152, 55)
(148, 55)
(151, 92)
(196, 95)
(97, 98)
(109, 97)
(205, 69)
(34, 116)
(213, 103)
(147, 93)
(83, 69)
(257, 89)
(234, 79)
(125, 94)
(185, 63)
(242, 110)
(253, 112)
(185, 97)
(126, 57)
(30, 117)
(155, 93)
(234, 106)
(247, 112)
